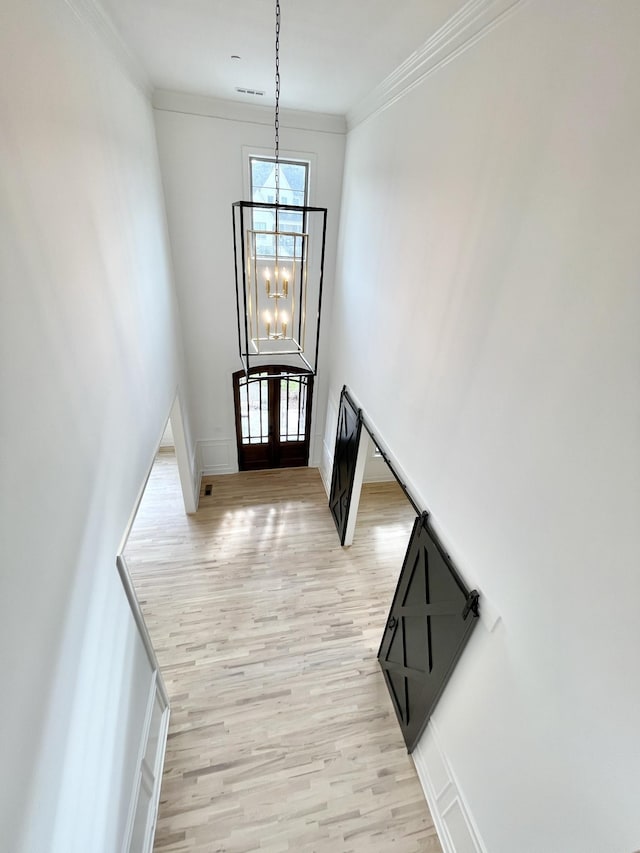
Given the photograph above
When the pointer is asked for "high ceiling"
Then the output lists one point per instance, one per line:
(332, 52)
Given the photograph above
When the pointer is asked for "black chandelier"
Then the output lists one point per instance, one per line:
(279, 268)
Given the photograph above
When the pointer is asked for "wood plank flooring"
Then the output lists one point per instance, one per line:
(282, 734)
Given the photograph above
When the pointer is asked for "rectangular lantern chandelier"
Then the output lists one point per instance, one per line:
(279, 267)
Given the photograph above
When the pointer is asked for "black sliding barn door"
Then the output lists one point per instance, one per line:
(431, 619)
(344, 462)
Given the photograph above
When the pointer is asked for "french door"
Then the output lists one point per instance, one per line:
(273, 417)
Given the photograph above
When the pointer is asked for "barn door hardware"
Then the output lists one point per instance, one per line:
(472, 604)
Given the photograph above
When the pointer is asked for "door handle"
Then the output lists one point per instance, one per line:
(391, 624)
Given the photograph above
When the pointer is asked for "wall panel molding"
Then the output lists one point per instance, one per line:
(328, 441)
(325, 467)
(216, 456)
(451, 815)
(145, 798)
(377, 471)
(473, 22)
(316, 450)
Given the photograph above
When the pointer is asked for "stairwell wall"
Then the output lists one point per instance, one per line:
(486, 317)
(91, 360)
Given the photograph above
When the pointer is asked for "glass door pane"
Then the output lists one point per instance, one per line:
(254, 410)
(293, 409)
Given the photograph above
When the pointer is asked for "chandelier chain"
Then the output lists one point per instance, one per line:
(277, 110)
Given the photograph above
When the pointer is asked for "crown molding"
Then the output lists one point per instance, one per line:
(203, 105)
(92, 15)
(471, 23)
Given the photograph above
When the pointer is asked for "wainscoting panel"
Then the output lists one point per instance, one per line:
(377, 471)
(150, 737)
(452, 818)
(325, 467)
(144, 812)
(328, 443)
(458, 829)
(217, 456)
(316, 450)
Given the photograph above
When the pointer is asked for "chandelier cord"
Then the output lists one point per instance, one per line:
(277, 111)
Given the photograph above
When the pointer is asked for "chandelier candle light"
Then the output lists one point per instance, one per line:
(279, 265)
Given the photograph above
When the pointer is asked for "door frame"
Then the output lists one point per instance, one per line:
(185, 469)
(366, 437)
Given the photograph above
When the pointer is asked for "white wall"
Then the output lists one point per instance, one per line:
(200, 143)
(486, 317)
(376, 470)
(89, 369)
(167, 440)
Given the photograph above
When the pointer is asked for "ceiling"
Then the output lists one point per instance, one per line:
(332, 52)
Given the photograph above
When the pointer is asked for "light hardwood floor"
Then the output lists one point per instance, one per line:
(282, 734)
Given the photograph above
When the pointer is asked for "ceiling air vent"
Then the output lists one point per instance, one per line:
(242, 91)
